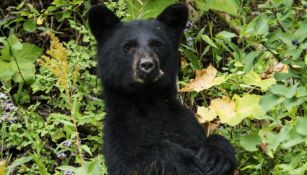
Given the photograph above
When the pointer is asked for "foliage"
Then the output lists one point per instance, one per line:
(243, 72)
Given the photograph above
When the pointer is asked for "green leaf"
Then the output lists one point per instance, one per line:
(66, 123)
(291, 91)
(146, 9)
(293, 139)
(261, 25)
(273, 36)
(279, 89)
(29, 26)
(268, 101)
(248, 106)
(283, 135)
(67, 168)
(27, 71)
(22, 96)
(301, 33)
(282, 76)
(252, 78)
(270, 139)
(6, 72)
(291, 103)
(301, 126)
(91, 119)
(301, 91)
(3, 21)
(14, 43)
(17, 61)
(226, 35)
(92, 167)
(41, 166)
(5, 53)
(287, 39)
(29, 52)
(86, 149)
(208, 40)
(249, 142)
(258, 26)
(19, 161)
(228, 6)
(249, 61)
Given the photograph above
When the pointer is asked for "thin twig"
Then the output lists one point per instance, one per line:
(278, 22)
(15, 59)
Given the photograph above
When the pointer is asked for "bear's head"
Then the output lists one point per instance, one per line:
(138, 55)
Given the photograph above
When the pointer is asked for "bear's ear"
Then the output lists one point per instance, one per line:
(175, 16)
(101, 21)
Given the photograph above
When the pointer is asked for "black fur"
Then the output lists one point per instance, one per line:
(147, 131)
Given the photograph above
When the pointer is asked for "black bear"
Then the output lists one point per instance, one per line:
(147, 131)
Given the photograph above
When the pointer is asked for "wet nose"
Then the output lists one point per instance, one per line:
(146, 65)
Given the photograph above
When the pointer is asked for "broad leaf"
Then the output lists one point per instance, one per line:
(252, 78)
(228, 6)
(268, 101)
(204, 114)
(301, 126)
(225, 109)
(17, 60)
(146, 9)
(29, 26)
(248, 106)
(250, 142)
(204, 79)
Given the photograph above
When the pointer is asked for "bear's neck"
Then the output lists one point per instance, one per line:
(124, 101)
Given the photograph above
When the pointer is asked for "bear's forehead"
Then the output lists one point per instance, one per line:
(142, 27)
(141, 31)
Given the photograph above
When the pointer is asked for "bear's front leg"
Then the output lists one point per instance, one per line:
(217, 156)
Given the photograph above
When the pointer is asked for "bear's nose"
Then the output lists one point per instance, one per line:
(146, 65)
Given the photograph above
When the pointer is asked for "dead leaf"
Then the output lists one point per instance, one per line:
(184, 63)
(278, 67)
(204, 79)
(263, 147)
(212, 126)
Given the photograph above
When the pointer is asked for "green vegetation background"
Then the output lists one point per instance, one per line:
(243, 73)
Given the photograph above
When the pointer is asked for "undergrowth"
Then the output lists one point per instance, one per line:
(243, 72)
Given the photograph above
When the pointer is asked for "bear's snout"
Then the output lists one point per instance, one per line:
(147, 65)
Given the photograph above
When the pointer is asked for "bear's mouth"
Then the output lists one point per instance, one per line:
(141, 77)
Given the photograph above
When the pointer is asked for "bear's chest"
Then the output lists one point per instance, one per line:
(148, 126)
(157, 124)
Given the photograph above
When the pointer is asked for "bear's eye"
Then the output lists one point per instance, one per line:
(130, 47)
(155, 44)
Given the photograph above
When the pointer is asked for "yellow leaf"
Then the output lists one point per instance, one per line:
(252, 78)
(205, 114)
(231, 111)
(204, 79)
(39, 21)
(2, 167)
(56, 62)
(225, 109)
(248, 106)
